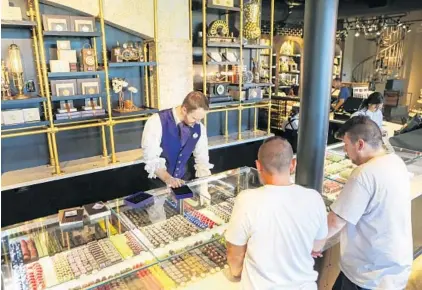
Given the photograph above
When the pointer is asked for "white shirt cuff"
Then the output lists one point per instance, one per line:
(202, 170)
(153, 165)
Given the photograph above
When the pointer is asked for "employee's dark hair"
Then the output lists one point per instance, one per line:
(337, 79)
(275, 155)
(373, 99)
(195, 100)
(361, 127)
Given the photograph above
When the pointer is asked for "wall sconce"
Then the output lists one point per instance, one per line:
(16, 69)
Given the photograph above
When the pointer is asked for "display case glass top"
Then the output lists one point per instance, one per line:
(43, 254)
(127, 240)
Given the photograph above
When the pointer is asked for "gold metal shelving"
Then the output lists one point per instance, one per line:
(240, 106)
(151, 86)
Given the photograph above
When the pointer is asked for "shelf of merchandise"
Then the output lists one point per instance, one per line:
(132, 64)
(81, 120)
(256, 46)
(72, 34)
(225, 107)
(51, 127)
(75, 74)
(33, 128)
(76, 97)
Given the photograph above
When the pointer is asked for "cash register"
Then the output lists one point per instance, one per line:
(350, 106)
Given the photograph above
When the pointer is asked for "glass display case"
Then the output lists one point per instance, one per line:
(165, 243)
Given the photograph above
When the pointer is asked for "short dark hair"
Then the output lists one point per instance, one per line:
(195, 100)
(337, 79)
(361, 127)
(375, 98)
(275, 154)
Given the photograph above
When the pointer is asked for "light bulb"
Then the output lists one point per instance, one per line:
(409, 30)
(378, 33)
(400, 24)
(357, 34)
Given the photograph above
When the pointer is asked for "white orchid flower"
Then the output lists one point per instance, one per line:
(133, 90)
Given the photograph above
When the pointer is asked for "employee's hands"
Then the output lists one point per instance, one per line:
(174, 182)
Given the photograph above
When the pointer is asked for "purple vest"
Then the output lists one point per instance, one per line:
(175, 155)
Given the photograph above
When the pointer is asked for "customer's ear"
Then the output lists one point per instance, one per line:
(293, 166)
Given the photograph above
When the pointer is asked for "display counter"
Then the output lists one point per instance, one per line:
(164, 244)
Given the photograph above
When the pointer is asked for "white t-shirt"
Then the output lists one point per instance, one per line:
(279, 224)
(376, 116)
(376, 245)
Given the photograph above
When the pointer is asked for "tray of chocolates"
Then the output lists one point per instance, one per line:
(331, 189)
(142, 217)
(173, 229)
(196, 264)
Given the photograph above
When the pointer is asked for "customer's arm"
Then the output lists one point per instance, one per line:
(350, 205)
(335, 224)
(235, 258)
(321, 235)
(237, 236)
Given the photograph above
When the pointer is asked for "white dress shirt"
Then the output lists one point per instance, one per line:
(151, 145)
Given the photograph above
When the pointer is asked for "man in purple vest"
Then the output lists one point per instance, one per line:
(171, 136)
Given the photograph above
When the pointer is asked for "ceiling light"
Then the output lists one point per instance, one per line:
(400, 24)
(357, 34)
(378, 33)
(409, 30)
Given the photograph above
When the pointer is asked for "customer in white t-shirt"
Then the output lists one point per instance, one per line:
(373, 213)
(274, 228)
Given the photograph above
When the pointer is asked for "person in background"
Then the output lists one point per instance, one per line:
(340, 92)
(373, 213)
(273, 229)
(171, 136)
(372, 108)
(292, 123)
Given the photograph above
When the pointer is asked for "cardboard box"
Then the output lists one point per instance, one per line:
(68, 55)
(59, 66)
(13, 117)
(31, 115)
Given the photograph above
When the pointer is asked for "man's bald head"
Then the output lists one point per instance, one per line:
(275, 155)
